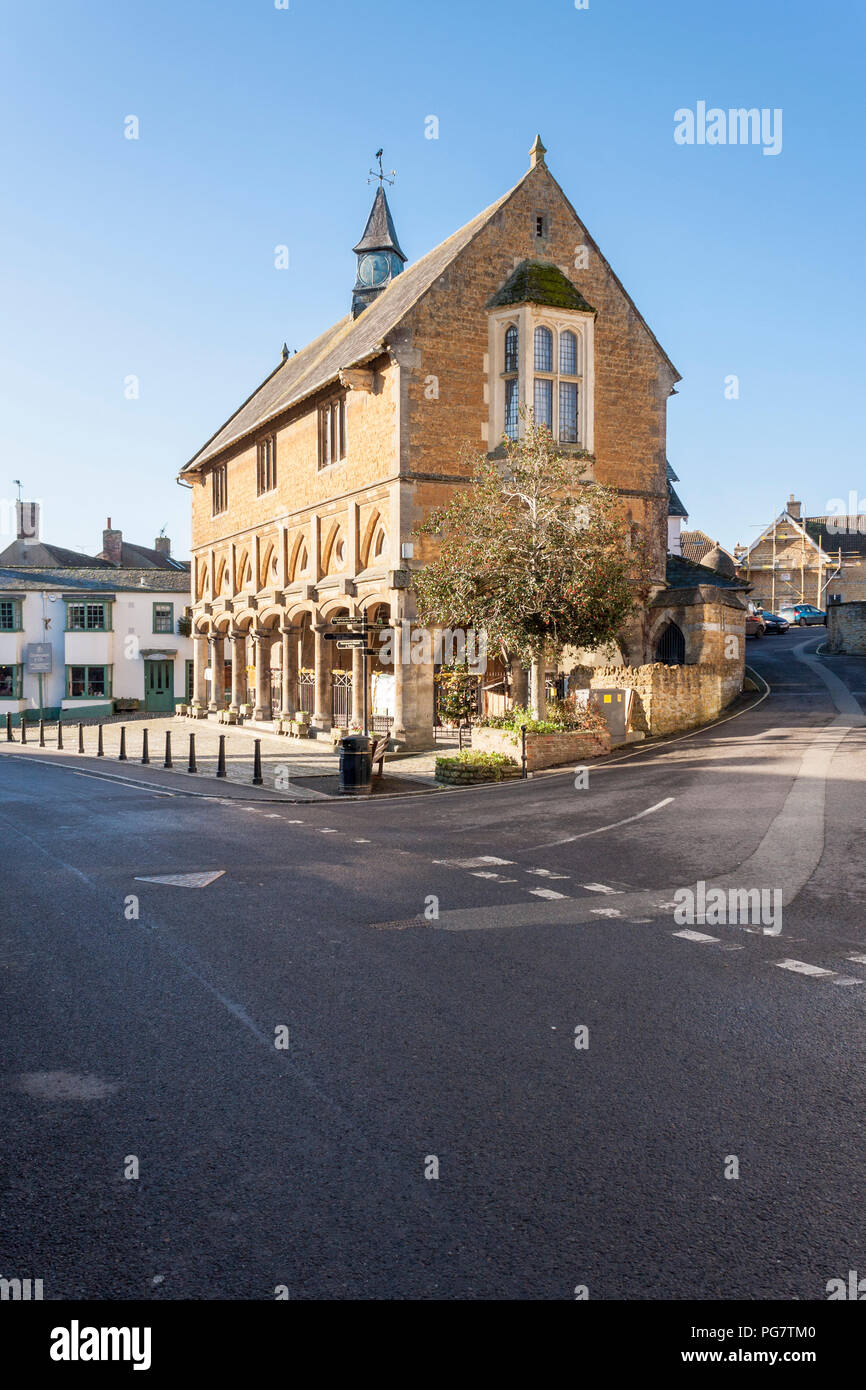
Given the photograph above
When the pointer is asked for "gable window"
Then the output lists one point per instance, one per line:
(219, 489)
(88, 682)
(163, 617)
(88, 617)
(10, 682)
(266, 465)
(10, 615)
(332, 431)
(540, 221)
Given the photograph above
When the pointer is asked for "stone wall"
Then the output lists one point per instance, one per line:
(542, 750)
(846, 628)
(668, 698)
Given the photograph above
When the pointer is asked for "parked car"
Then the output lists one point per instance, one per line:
(754, 621)
(803, 614)
(774, 622)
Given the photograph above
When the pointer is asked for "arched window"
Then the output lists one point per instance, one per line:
(543, 350)
(671, 646)
(512, 398)
(567, 354)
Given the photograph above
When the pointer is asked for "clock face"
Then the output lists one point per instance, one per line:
(374, 269)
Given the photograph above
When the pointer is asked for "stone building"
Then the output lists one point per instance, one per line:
(305, 502)
(787, 564)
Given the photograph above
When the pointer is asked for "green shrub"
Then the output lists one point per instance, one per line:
(562, 717)
(473, 766)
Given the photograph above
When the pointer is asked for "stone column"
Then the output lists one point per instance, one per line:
(290, 673)
(322, 663)
(262, 708)
(413, 694)
(199, 665)
(239, 670)
(217, 671)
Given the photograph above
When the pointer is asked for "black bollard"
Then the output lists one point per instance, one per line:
(23, 727)
(221, 760)
(42, 733)
(121, 757)
(59, 732)
(100, 751)
(9, 738)
(257, 764)
(523, 751)
(192, 766)
(168, 762)
(81, 738)
(145, 754)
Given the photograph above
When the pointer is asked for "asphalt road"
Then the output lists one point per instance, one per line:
(414, 1038)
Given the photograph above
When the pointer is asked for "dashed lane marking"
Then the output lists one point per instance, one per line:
(546, 893)
(605, 912)
(848, 980)
(697, 936)
(858, 960)
(600, 888)
(546, 873)
(801, 967)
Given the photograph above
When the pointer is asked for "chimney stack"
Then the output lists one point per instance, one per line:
(793, 507)
(27, 521)
(112, 545)
(162, 545)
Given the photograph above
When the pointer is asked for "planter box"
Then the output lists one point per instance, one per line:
(455, 774)
(542, 750)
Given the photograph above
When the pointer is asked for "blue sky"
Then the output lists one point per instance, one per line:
(155, 257)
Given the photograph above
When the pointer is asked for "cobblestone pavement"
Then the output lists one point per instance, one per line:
(284, 759)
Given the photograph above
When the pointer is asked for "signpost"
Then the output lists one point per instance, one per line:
(39, 663)
(356, 636)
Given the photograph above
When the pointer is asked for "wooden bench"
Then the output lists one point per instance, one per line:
(380, 743)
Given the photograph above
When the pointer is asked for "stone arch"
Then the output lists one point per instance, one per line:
(203, 578)
(331, 563)
(269, 559)
(219, 577)
(670, 645)
(243, 572)
(374, 528)
(300, 560)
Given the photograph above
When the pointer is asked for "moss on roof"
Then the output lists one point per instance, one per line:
(536, 282)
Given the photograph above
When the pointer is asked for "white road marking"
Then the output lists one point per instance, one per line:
(182, 880)
(545, 873)
(696, 936)
(858, 960)
(327, 830)
(800, 967)
(481, 862)
(294, 822)
(546, 893)
(848, 980)
(599, 830)
(600, 888)
(357, 842)
(483, 873)
(606, 912)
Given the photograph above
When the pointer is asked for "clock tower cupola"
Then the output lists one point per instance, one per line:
(379, 256)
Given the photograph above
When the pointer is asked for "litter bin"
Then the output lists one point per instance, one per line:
(356, 764)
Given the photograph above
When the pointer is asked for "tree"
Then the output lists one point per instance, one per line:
(534, 553)
(458, 694)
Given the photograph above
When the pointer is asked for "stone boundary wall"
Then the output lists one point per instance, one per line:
(668, 698)
(846, 628)
(542, 750)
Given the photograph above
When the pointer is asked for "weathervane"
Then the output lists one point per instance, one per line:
(381, 176)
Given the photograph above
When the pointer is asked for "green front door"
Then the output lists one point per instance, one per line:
(158, 686)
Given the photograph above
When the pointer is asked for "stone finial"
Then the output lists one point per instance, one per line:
(285, 351)
(537, 153)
